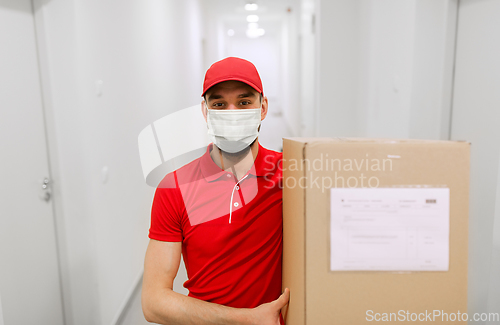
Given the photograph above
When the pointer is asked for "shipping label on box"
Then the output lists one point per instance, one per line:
(389, 229)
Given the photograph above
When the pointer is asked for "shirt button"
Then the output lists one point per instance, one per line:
(228, 175)
(236, 204)
(237, 187)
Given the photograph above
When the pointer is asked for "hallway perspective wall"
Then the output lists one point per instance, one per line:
(386, 68)
(109, 69)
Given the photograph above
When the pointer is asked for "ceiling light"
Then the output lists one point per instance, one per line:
(252, 18)
(230, 32)
(251, 6)
(254, 33)
(253, 25)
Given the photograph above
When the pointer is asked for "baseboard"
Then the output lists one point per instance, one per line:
(134, 289)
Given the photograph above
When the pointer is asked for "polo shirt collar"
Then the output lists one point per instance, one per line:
(212, 172)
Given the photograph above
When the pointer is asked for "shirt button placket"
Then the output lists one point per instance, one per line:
(234, 204)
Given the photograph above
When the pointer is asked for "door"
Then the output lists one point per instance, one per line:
(29, 277)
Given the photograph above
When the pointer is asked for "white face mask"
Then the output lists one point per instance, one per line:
(235, 129)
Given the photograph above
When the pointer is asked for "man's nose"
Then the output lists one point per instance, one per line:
(232, 106)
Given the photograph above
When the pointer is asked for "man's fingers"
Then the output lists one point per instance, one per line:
(283, 299)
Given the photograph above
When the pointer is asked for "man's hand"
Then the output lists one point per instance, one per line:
(269, 314)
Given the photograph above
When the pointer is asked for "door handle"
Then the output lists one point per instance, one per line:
(46, 192)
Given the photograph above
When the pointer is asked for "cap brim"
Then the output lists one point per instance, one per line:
(251, 84)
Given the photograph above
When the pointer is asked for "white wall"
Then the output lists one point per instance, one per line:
(290, 69)
(148, 56)
(385, 68)
(338, 25)
(388, 91)
(433, 63)
(308, 49)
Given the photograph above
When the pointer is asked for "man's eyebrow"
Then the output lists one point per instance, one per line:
(249, 94)
(243, 95)
(214, 96)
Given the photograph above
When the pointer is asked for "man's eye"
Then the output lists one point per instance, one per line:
(218, 104)
(245, 102)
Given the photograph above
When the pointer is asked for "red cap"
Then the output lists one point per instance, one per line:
(232, 68)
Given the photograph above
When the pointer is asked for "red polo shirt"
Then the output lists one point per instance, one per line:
(231, 231)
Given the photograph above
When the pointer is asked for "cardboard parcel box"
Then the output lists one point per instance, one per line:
(393, 251)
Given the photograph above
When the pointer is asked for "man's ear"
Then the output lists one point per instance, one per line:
(263, 112)
(204, 109)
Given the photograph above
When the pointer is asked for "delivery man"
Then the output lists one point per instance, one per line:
(223, 212)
